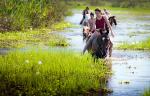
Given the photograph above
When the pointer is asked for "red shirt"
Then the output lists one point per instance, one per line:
(100, 24)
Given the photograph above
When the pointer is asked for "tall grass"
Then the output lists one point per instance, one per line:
(46, 73)
(24, 14)
(143, 45)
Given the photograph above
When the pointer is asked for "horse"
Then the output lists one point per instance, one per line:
(103, 42)
(112, 20)
(86, 33)
(100, 42)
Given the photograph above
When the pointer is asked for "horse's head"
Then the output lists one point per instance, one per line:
(86, 31)
(112, 20)
(103, 42)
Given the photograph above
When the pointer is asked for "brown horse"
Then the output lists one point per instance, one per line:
(86, 33)
(112, 20)
(97, 45)
(103, 42)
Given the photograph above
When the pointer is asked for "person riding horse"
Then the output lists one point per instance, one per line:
(92, 44)
(84, 13)
(112, 19)
(90, 28)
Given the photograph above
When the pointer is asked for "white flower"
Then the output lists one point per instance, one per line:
(40, 62)
(26, 61)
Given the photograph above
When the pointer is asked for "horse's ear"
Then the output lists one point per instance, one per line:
(113, 16)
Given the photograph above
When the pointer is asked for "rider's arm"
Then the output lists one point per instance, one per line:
(109, 25)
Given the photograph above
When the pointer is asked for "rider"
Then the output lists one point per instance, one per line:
(91, 23)
(106, 13)
(100, 22)
(86, 11)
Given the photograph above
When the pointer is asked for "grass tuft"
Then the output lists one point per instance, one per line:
(143, 45)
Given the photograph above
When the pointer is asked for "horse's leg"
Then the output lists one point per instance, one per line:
(111, 22)
(115, 22)
(110, 48)
(95, 56)
(81, 22)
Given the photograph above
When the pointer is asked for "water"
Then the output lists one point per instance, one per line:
(127, 66)
(133, 67)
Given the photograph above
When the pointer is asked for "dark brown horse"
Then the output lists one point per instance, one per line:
(103, 42)
(112, 20)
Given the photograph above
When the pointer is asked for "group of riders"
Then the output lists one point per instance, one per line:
(96, 32)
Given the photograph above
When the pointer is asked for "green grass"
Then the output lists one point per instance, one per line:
(61, 25)
(48, 73)
(35, 37)
(143, 45)
(146, 92)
